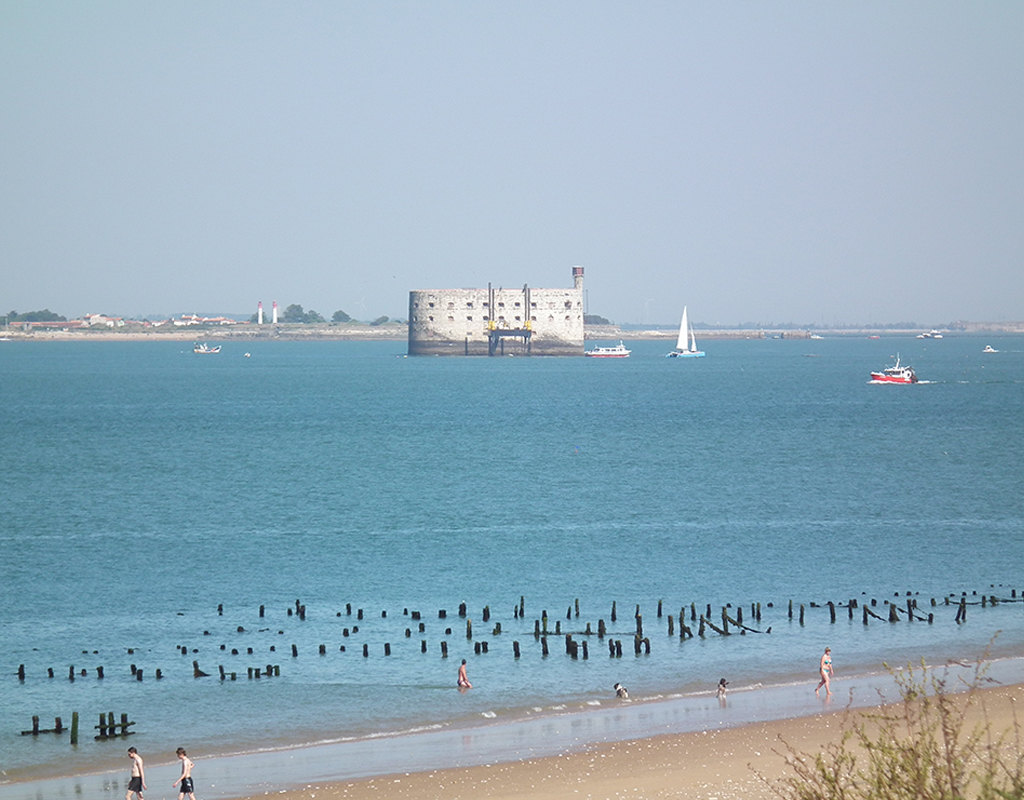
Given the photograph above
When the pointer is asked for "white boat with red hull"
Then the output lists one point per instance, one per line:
(899, 373)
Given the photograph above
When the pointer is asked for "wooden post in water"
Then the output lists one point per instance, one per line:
(577, 605)
(671, 625)
(74, 727)
(832, 611)
(801, 613)
(639, 625)
(469, 629)
(791, 609)
(544, 646)
(615, 616)
(659, 609)
(444, 649)
(515, 649)
(601, 629)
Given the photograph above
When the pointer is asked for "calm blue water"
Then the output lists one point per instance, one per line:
(143, 485)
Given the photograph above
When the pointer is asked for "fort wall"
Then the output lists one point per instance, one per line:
(522, 321)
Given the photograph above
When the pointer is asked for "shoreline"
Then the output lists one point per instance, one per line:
(368, 333)
(741, 762)
(468, 755)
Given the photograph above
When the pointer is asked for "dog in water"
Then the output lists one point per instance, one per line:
(620, 691)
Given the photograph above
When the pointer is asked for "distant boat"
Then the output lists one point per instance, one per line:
(686, 344)
(932, 334)
(816, 336)
(895, 374)
(205, 349)
(989, 349)
(619, 351)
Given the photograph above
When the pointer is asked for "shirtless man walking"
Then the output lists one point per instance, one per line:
(186, 776)
(463, 682)
(137, 782)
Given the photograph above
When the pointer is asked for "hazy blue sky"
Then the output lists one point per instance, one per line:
(814, 162)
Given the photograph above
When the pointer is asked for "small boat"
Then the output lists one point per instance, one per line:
(899, 373)
(989, 349)
(204, 348)
(932, 334)
(686, 344)
(619, 351)
(816, 336)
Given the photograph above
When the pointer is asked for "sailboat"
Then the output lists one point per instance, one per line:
(686, 344)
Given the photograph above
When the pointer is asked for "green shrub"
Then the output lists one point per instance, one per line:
(921, 748)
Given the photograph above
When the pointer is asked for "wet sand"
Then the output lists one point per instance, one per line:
(711, 765)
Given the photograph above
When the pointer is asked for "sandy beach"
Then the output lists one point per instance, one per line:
(712, 765)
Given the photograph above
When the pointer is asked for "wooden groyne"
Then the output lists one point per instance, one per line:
(395, 639)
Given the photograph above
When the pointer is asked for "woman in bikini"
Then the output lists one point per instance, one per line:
(825, 668)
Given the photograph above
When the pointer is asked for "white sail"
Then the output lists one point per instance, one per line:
(683, 332)
(693, 342)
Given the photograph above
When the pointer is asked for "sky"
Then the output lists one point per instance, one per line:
(811, 162)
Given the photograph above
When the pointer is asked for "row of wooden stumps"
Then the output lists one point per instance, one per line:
(107, 727)
(58, 728)
(73, 673)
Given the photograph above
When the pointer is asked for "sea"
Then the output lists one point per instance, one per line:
(356, 522)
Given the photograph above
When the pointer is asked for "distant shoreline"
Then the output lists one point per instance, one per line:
(395, 333)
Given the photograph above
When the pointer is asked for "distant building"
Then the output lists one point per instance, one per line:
(540, 322)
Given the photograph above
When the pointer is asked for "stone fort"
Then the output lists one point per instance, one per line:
(495, 322)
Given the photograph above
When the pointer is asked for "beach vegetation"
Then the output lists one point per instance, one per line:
(340, 316)
(920, 748)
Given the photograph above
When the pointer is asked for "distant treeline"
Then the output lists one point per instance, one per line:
(295, 313)
(35, 316)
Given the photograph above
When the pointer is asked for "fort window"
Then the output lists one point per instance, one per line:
(451, 305)
(452, 319)
(568, 304)
(430, 304)
(469, 304)
(517, 318)
(430, 318)
(517, 304)
(533, 319)
(551, 317)
(415, 305)
(533, 305)
(501, 305)
(486, 305)
(469, 318)
(567, 317)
